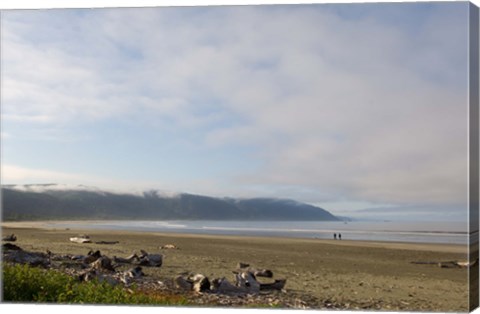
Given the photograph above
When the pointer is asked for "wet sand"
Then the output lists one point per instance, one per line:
(348, 272)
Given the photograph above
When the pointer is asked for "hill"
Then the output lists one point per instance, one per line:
(42, 202)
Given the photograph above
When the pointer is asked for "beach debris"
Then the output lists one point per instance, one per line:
(94, 274)
(81, 239)
(278, 284)
(107, 242)
(10, 238)
(103, 263)
(223, 286)
(135, 272)
(153, 260)
(448, 264)
(181, 283)
(200, 283)
(91, 257)
(263, 273)
(169, 247)
(24, 257)
(241, 265)
(10, 246)
(129, 260)
(246, 281)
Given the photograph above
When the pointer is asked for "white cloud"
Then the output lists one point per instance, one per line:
(335, 108)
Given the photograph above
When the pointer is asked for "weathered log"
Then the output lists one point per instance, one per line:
(278, 284)
(263, 273)
(93, 274)
(246, 280)
(81, 239)
(11, 247)
(449, 264)
(154, 260)
(10, 238)
(169, 247)
(223, 286)
(128, 260)
(103, 263)
(107, 242)
(91, 257)
(182, 284)
(200, 283)
(30, 258)
(135, 272)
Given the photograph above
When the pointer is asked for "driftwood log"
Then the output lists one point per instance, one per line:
(153, 260)
(448, 264)
(81, 239)
(10, 238)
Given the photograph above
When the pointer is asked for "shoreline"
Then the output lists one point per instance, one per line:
(394, 245)
(353, 274)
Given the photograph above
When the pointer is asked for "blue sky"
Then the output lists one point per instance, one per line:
(347, 106)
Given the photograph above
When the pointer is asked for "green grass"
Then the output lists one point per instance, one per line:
(22, 283)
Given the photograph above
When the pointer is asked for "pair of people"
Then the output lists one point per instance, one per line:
(335, 236)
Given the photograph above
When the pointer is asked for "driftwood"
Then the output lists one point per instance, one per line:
(81, 239)
(222, 285)
(182, 283)
(153, 260)
(169, 247)
(246, 281)
(135, 272)
(263, 273)
(11, 247)
(448, 264)
(107, 242)
(103, 263)
(10, 238)
(91, 257)
(24, 257)
(128, 260)
(200, 283)
(278, 284)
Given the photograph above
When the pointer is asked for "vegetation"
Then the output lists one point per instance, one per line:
(22, 283)
(81, 204)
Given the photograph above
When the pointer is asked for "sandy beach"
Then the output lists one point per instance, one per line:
(355, 274)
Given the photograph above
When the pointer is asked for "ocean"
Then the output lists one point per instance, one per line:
(414, 232)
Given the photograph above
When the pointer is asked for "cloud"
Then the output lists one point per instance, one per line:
(326, 106)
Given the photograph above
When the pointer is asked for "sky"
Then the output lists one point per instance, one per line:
(360, 109)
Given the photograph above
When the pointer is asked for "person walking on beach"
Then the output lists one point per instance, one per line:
(334, 236)
(339, 236)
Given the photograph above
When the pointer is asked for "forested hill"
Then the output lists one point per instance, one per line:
(33, 203)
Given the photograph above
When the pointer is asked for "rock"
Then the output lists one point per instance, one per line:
(241, 265)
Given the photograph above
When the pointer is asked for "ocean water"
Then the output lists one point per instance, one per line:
(417, 232)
